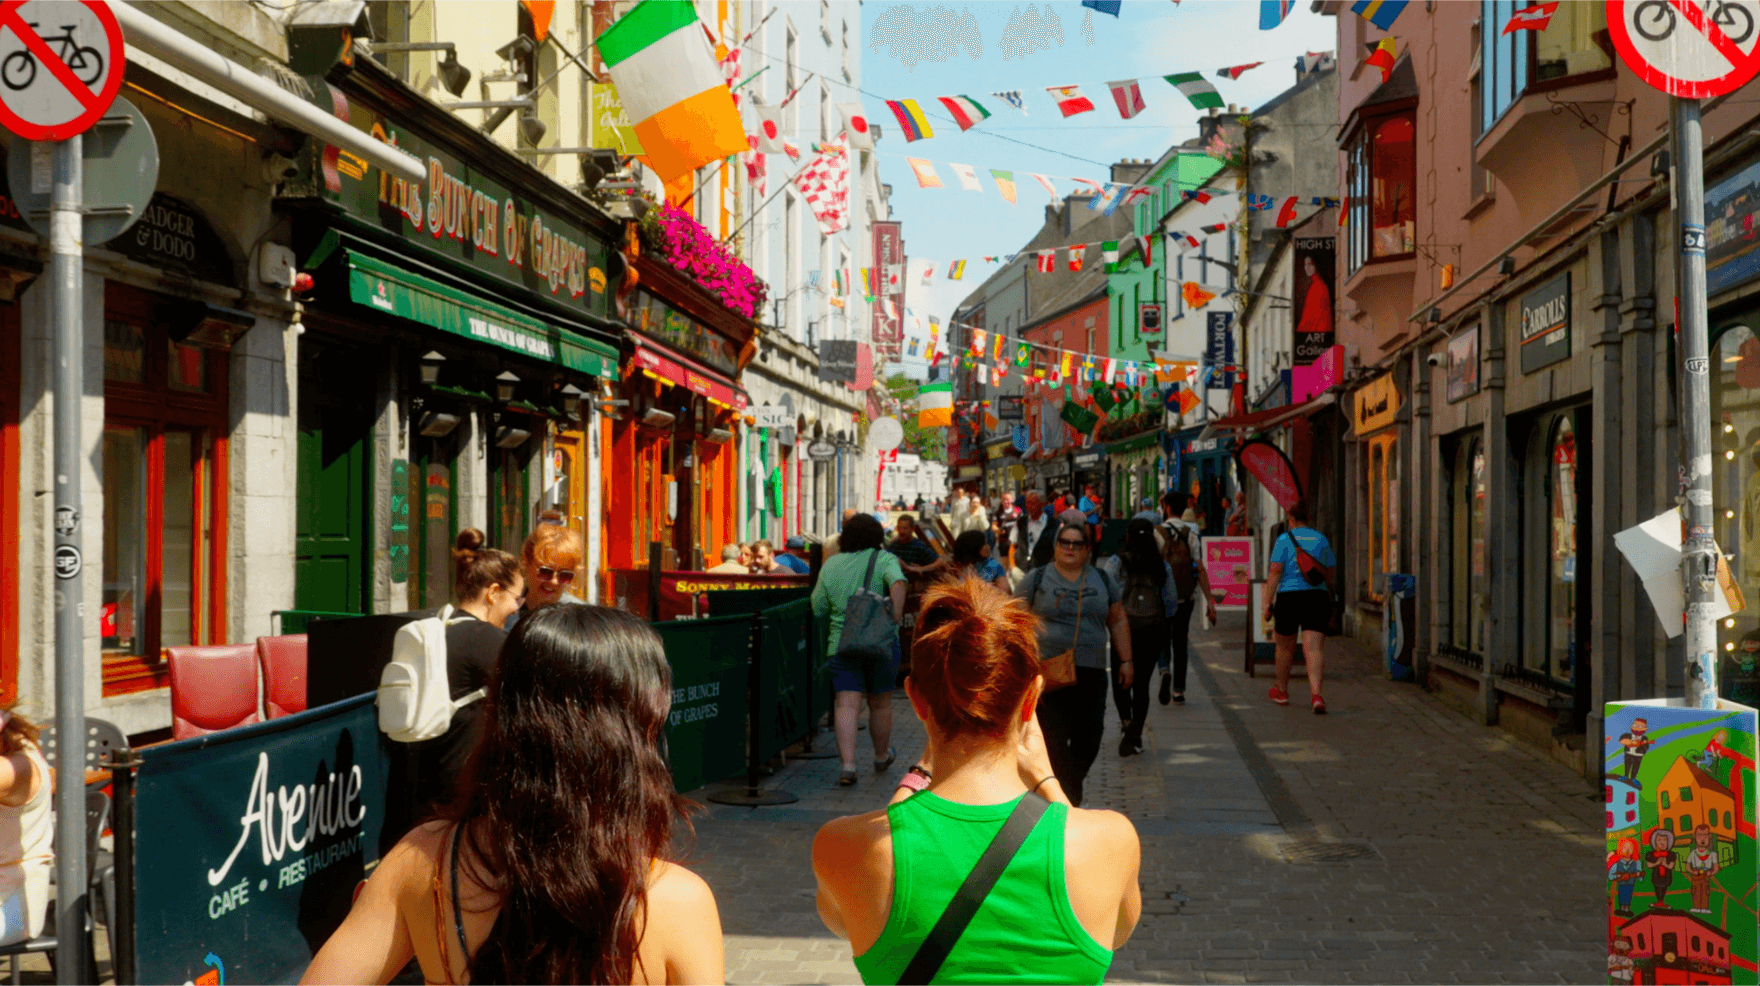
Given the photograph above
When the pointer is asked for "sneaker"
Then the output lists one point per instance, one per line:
(846, 778)
(1166, 687)
(1279, 696)
(881, 766)
(1179, 698)
(1319, 706)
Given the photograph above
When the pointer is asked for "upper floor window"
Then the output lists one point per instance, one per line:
(1574, 44)
(1380, 177)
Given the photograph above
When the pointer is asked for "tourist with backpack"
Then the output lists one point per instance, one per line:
(1185, 558)
(1299, 594)
(981, 870)
(430, 694)
(1146, 583)
(851, 599)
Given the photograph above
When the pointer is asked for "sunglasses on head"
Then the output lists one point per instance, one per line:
(548, 574)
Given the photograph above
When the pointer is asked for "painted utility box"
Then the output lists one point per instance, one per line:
(1681, 853)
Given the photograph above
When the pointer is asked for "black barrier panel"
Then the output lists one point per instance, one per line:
(729, 602)
(250, 843)
(706, 730)
(785, 672)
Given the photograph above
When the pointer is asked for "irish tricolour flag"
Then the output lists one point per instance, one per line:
(671, 87)
(935, 405)
(1193, 84)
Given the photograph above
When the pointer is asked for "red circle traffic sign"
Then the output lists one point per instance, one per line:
(61, 64)
(1687, 50)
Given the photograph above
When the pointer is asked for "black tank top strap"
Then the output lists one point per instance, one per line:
(464, 948)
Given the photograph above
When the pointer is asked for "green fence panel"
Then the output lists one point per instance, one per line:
(786, 669)
(706, 731)
(728, 602)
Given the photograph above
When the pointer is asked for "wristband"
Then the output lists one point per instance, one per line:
(913, 780)
(920, 769)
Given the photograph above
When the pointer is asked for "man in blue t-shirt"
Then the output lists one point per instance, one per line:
(794, 555)
(1303, 607)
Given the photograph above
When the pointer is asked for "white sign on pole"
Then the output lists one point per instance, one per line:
(1688, 48)
(61, 63)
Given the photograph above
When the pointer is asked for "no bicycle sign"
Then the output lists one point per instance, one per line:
(1688, 48)
(61, 63)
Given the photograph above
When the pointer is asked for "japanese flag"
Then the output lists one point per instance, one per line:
(855, 124)
(769, 129)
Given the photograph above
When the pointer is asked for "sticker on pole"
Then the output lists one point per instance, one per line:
(1688, 48)
(61, 63)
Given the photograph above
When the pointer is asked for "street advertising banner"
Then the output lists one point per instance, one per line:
(1219, 349)
(1546, 324)
(249, 844)
(684, 595)
(1314, 334)
(706, 729)
(1732, 241)
(1229, 561)
(888, 251)
(1463, 364)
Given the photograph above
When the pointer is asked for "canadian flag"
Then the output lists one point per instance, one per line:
(1533, 18)
(855, 123)
(769, 129)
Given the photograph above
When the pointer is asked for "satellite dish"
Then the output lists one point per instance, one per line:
(885, 435)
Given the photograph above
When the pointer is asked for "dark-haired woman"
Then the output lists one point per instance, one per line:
(1067, 896)
(553, 867)
(1079, 607)
(488, 587)
(971, 556)
(27, 831)
(860, 557)
(1148, 595)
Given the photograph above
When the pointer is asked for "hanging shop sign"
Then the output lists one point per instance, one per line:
(1092, 459)
(461, 213)
(1055, 468)
(969, 472)
(1011, 407)
(1315, 259)
(655, 318)
(888, 254)
(1376, 404)
(1463, 364)
(821, 451)
(1546, 324)
(837, 360)
(1219, 349)
(771, 416)
(172, 236)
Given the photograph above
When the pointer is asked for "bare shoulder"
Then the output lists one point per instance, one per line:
(415, 855)
(1099, 834)
(852, 833)
(674, 888)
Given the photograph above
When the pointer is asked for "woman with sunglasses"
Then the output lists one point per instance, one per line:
(550, 559)
(1081, 609)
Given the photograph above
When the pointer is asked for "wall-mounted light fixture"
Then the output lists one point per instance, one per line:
(719, 436)
(433, 424)
(571, 400)
(452, 75)
(1436, 315)
(430, 369)
(1507, 267)
(508, 436)
(504, 386)
(655, 418)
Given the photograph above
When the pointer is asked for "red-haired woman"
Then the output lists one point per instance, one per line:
(555, 865)
(551, 561)
(1067, 895)
(27, 833)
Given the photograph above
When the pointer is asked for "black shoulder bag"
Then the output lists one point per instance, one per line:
(977, 886)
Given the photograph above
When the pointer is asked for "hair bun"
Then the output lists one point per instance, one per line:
(470, 539)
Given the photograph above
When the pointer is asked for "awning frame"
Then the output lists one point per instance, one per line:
(1235, 426)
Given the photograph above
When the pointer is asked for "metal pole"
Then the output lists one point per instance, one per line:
(67, 284)
(1698, 550)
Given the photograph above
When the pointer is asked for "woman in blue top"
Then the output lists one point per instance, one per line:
(971, 555)
(1301, 606)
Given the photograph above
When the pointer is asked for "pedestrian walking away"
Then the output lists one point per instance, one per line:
(1185, 558)
(981, 870)
(1299, 593)
(1080, 610)
(861, 566)
(1146, 584)
(569, 781)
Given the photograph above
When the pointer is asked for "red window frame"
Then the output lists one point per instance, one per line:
(157, 408)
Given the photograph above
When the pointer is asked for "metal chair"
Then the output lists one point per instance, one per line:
(102, 739)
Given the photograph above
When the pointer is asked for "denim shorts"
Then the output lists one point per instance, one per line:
(870, 675)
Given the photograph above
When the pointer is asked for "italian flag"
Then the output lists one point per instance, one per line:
(934, 404)
(966, 111)
(671, 87)
(1193, 85)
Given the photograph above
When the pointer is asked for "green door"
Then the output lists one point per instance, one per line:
(331, 550)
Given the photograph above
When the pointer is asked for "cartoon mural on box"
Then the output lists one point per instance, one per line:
(1681, 852)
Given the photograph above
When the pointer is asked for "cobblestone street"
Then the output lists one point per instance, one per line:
(1390, 841)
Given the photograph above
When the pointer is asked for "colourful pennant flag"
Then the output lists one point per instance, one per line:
(1199, 196)
(1104, 6)
(935, 405)
(924, 170)
(769, 129)
(672, 88)
(1234, 71)
(1102, 397)
(1107, 202)
(1533, 18)
(1128, 96)
(867, 284)
(1381, 13)
(1134, 195)
(1272, 12)
(1047, 260)
(1287, 214)
(997, 355)
(855, 125)
(1382, 55)
(968, 179)
(978, 340)
(956, 270)
(1214, 228)
(1050, 189)
(966, 111)
(1188, 401)
(1013, 98)
(1109, 254)
(1258, 202)
(792, 149)
(1063, 365)
(1070, 100)
(928, 276)
(1146, 244)
(910, 119)
(1078, 417)
(1023, 353)
(1196, 88)
(1185, 241)
(1194, 294)
(1315, 60)
(1075, 255)
(1004, 184)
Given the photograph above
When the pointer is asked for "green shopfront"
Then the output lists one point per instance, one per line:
(453, 338)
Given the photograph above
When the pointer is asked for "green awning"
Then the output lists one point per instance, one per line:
(406, 294)
(1142, 440)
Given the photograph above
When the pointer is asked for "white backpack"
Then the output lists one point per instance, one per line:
(415, 695)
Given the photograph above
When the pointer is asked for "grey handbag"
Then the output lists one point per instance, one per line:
(868, 630)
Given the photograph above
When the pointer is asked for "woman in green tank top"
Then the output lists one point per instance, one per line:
(1066, 897)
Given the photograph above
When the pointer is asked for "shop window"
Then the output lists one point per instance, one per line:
(164, 482)
(1735, 407)
(1381, 174)
(1574, 45)
(509, 477)
(1471, 589)
(437, 527)
(1561, 495)
(1383, 495)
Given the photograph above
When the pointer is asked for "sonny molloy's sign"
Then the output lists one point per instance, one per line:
(249, 844)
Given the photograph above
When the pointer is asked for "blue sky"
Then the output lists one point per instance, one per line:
(1150, 39)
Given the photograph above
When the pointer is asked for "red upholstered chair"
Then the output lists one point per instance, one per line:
(212, 688)
(283, 660)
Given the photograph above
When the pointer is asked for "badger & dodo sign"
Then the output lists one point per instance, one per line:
(249, 843)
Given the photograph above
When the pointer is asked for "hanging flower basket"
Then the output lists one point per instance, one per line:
(674, 238)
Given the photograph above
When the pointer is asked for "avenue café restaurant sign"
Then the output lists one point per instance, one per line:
(460, 212)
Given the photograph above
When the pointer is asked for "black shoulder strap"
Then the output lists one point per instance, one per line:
(977, 886)
(1038, 575)
(868, 579)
